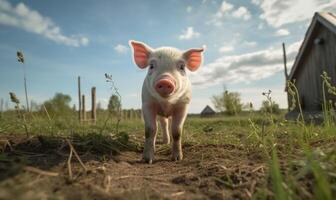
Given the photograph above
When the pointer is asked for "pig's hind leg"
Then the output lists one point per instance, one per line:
(178, 118)
(164, 122)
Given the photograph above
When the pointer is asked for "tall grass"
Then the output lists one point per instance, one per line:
(323, 185)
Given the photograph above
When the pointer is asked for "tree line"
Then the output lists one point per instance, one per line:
(231, 104)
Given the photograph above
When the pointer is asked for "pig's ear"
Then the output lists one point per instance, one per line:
(141, 53)
(193, 58)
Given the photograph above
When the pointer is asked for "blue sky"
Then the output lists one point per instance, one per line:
(64, 39)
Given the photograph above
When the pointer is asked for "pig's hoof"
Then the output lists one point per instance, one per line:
(147, 160)
(177, 157)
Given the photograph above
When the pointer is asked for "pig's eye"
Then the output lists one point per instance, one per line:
(151, 66)
(181, 66)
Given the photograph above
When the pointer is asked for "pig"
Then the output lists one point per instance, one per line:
(166, 92)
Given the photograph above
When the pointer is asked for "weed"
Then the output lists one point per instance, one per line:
(115, 90)
(21, 59)
(328, 107)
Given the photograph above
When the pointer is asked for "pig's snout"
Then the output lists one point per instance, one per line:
(165, 86)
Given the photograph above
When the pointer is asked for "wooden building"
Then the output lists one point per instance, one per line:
(316, 55)
(207, 112)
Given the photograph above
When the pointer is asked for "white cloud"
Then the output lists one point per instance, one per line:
(256, 2)
(121, 48)
(245, 67)
(282, 32)
(260, 26)
(225, 7)
(189, 9)
(280, 12)
(226, 49)
(242, 12)
(250, 44)
(189, 34)
(84, 41)
(22, 17)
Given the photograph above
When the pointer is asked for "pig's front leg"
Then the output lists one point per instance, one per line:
(150, 132)
(178, 118)
(165, 130)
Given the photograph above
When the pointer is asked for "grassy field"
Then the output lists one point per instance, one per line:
(250, 156)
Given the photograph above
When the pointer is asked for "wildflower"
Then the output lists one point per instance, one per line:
(13, 98)
(20, 56)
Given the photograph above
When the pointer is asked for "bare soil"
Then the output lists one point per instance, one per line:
(38, 168)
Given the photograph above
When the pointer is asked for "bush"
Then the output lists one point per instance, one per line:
(228, 102)
(59, 105)
(266, 107)
(114, 105)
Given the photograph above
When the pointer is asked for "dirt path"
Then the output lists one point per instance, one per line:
(207, 172)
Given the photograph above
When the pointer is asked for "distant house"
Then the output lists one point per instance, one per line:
(207, 111)
(316, 54)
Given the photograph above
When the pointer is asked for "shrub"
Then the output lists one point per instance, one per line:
(114, 105)
(268, 108)
(59, 105)
(229, 102)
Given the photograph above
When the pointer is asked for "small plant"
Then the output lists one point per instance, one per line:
(21, 116)
(328, 107)
(118, 110)
(15, 100)
(269, 106)
(295, 99)
(21, 59)
(270, 102)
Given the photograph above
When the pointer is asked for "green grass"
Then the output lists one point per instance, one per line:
(301, 159)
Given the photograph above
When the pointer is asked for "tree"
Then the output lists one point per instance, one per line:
(269, 107)
(230, 102)
(59, 104)
(218, 102)
(114, 104)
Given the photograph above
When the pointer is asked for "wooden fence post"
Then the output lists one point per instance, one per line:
(1, 105)
(83, 108)
(79, 100)
(286, 72)
(285, 60)
(93, 105)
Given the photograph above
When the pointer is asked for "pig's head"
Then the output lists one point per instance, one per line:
(167, 67)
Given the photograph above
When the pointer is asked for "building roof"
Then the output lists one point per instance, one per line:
(208, 110)
(325, 19)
